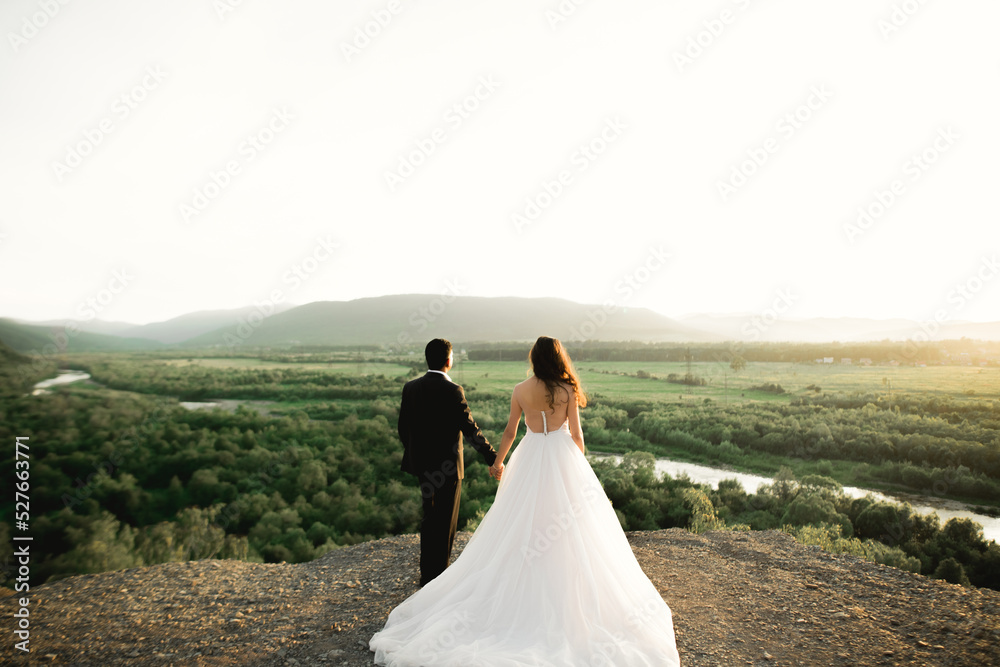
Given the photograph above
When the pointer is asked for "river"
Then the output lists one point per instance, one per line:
(946, 509)
(64, 377)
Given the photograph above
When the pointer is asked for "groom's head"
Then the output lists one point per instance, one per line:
(437, 353)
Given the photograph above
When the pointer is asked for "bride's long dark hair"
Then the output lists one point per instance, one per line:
(551, 364)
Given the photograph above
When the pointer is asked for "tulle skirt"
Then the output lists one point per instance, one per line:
(548, 578)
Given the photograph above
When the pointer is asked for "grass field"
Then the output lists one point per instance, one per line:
(352, 367)
(617, 379)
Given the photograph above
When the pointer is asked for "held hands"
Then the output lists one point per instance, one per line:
(496, 470)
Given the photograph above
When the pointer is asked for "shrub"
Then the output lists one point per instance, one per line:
(951, 571)
(702, 511)
(769, 387)
(829, 539)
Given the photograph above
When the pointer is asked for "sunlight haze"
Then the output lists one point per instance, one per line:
(685, 157)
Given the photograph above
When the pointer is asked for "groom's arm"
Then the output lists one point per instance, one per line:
(471, 430)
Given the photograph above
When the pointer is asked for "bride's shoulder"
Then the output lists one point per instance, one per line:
(570, 389)
(528, 387)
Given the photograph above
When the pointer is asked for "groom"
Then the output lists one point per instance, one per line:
(432, 418)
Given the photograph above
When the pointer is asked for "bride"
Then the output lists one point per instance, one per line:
(548, 578)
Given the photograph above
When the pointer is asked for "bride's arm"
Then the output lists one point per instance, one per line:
(575, 430)
(510, 432)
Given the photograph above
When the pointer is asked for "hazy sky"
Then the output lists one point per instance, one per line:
(689, 157)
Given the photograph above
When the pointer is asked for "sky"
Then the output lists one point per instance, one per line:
(833, 159)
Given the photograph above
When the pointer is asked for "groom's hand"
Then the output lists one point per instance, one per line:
(496, 470)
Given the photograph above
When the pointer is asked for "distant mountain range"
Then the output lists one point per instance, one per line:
(175, 330)
(40, 339)
(399, 320)
(414, 318)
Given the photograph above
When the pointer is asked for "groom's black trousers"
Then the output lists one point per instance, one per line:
(437, 528)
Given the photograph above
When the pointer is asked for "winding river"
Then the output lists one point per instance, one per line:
(946, 509)
(64, 377)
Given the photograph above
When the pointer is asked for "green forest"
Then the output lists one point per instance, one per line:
(123, 475)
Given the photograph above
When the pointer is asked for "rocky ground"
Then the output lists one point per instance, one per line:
(737, 599)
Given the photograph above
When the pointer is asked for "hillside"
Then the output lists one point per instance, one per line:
(191, 325)
(173, 330)
(34, 338)
(18, 372)
(419, 317)
(9, 358)
(403, 319)
(98, 326)
(737, 598)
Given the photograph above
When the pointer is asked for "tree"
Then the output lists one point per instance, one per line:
(813, 509)
(312, 477)
(883, 522)
(103, 544)
(951, 571)
(738, 363)
(784, 487)
(703, 515)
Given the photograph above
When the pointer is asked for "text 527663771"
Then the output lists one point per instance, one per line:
(21, 553)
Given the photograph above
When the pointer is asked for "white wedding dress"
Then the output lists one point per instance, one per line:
(548, 578)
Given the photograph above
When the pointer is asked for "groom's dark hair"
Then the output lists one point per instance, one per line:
(436, 353)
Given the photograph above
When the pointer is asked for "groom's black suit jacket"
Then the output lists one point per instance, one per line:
(433, 416)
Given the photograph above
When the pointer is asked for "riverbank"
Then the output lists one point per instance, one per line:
(64, 377)
(751, 477)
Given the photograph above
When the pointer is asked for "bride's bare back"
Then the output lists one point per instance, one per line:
(532, 398)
